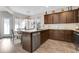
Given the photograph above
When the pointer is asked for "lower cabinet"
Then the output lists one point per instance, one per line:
(68, 35)
(63, 35)
(57, 34)
(44, 36)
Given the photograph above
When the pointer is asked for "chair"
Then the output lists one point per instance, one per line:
(12, 35)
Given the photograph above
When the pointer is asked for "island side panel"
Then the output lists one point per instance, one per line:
(26, 41)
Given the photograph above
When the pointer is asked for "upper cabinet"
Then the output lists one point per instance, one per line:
(48, 19)
(71, 16)
(76, 16)
(56, 18)
(63, 17)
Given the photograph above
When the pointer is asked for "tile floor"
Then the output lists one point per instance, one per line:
(50, 46)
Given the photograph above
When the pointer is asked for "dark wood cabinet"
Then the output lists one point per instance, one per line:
(57, 34)
(44, 36)
(71, 16)
(63, 17)
(76, 16)
(48, 19)
(63, 35)
(51, 34)
(56, 18)
(68, 35)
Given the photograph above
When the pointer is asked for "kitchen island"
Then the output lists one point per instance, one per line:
(32, 39)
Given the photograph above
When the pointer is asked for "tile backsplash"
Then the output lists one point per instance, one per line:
(69, 26)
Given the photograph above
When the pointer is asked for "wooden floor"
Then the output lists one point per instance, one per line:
(50, 46)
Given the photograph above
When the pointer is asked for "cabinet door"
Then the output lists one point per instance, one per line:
(58, 34)
(56, 18)
(44, 36)
(61, 35)
(46, 19)
(63, 17)
(51, 34)
(70, 17)
(76, 16)
(68, 35)
(55, 34)
(50, 17)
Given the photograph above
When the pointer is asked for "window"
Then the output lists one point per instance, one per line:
(19, 24)
(23, 24)
(6, 26)
(16, 24)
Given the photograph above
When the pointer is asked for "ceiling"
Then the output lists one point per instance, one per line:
(30, 10)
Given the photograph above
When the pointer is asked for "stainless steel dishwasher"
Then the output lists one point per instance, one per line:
(35, 40)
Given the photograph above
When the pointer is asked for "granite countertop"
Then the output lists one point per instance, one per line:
(31, 31)
(77, 30)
